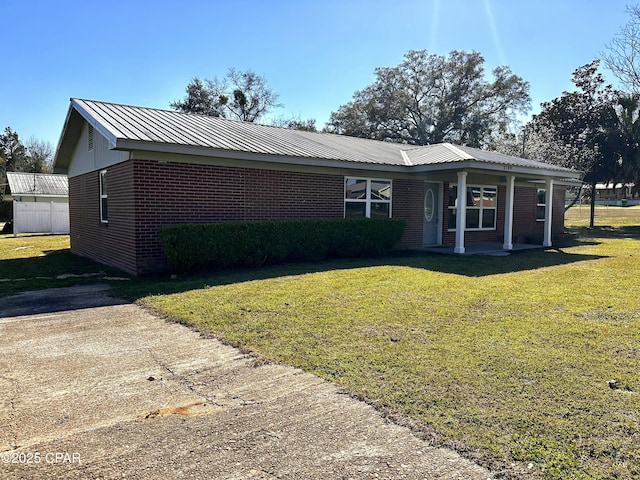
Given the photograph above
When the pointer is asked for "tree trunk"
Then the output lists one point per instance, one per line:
(593, 204)
(576, 198)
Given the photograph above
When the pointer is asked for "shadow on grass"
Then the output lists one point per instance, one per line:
(61, 268)
(472, 266)
(56, 268)
(632, 232)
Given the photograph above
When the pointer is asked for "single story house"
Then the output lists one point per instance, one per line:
(40, 202)
(133, 169)
(620, 194)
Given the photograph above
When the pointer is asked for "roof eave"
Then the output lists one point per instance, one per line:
(503, 169)
(36, 194)
(469, 164)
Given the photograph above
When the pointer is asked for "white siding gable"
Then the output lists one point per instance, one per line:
(100, 157)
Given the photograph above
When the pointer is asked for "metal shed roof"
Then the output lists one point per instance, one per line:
(38, 184)
(139, 128)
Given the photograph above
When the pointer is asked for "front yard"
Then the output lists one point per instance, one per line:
(528, 363)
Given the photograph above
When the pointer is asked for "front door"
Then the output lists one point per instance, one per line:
(431, 213)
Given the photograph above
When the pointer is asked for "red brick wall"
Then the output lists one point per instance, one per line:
(525, 226)
(111, 243)
(407, 198)
(170, 193)
(143, 195)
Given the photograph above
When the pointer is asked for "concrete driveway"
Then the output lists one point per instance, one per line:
(92, 387)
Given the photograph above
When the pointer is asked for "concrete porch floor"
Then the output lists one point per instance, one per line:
(493, 249)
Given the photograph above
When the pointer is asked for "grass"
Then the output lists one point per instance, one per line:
(505, 359)
(31, 262)
(578, 216)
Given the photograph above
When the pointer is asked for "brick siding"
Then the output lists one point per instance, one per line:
(526, 229)
(144, 194)
(111, 243)
(407, 198)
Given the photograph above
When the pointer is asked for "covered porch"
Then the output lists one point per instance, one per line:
(544, 208)
(486, 197)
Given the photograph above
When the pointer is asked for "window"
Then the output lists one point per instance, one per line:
(104, 210)
(366, 197)
(482, 205)
(541, 205)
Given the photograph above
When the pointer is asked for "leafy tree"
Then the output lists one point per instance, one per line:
(431, 98)
(13, 155)
(624, 141)
(623, 53)
(580, 129)
(570, 129)
(34, 157)
(240, 95)
(203, 98)
(295, 123)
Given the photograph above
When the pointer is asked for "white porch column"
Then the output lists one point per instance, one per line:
(548, 212)
(508, 214)
(461, 212)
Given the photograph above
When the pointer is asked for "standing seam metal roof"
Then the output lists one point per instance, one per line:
(37, 184)
(150, 125)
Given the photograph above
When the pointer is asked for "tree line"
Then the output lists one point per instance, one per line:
(32, 156)
(430, 98)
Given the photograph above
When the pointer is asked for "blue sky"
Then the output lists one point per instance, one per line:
(314, 54)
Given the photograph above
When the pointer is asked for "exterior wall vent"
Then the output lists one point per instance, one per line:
(90, 139)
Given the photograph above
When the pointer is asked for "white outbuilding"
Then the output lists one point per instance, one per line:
(40, 202)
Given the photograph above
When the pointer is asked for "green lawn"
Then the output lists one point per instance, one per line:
(578, 216)
(29, 262)
(505, 359)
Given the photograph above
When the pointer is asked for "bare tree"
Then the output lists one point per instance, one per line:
(623, 53)
(39, 156)
(240, 95)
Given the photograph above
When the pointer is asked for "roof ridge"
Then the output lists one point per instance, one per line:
(457, 150)
(178, 112)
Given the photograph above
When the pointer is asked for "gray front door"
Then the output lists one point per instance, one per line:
(431, 213)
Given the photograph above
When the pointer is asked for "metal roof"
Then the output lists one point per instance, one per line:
(38, 184)
(139, 128)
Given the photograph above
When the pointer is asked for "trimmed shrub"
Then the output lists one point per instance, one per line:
(192, 247)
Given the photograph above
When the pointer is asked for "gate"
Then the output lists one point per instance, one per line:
(40, 217)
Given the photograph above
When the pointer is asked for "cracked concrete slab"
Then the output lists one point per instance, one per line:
(124, 394)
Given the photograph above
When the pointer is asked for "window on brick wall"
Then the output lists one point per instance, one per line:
(104, 198)
(481, 210)
(541, 205)
(367, 197)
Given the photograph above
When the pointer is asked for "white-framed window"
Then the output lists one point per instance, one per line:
(104, 198)
(367, 197)
(481, 209)
(541, 204)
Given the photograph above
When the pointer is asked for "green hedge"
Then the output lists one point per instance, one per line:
(191, 247)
